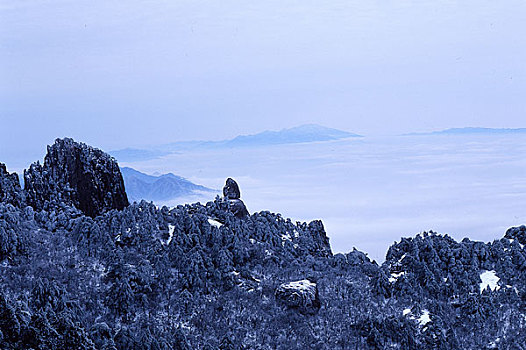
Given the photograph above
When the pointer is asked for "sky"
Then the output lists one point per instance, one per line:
(128, 74)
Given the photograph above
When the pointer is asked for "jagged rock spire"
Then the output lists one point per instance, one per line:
(232, 194)
(231, 189)
(10, 190)
(76, 174)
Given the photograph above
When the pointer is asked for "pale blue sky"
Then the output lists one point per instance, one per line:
(117, 74)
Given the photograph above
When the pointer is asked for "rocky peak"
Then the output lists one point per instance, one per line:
(232, 195)
(10, 190)
(231, 189)
(76, 174)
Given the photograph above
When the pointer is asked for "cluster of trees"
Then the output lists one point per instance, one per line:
(197, 277)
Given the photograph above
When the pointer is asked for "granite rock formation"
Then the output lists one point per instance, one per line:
(76, 174)
(302, 295)
(232, 195)
(231, 189)
(10, 190)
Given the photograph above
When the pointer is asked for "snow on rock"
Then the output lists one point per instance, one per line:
(302, 295)
(171, 229)
(489, 279)
(395, 276)
(214, 223)
(406, 312)
(424, 319)
(78, 175)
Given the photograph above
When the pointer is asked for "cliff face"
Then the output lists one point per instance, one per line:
(10, 191)
(78, 175)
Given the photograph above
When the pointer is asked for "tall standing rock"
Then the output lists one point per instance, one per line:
(10, 190)
(232, 195)
(76, 174)
(231, 189)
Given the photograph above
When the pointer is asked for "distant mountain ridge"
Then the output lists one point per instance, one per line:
(158, 188)
(298, 134)
(302, 133)
(472, 131)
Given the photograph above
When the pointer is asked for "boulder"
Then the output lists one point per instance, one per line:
(301, 295)
(76, 174)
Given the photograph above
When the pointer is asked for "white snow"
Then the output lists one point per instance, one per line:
(171, 229)
(395, 276)
(424, 319)
(214, 223)
(489, 279)
(302, 285)
(286, 237)
(406, 312)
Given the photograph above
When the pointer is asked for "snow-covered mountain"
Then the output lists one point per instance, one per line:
(158, 188)
(81, 268)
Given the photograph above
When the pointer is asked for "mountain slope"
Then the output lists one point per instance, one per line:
(158, 188)
(199, 277)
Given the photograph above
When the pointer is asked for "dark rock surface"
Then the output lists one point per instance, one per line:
(76, 174)
(238, 208)
(302, 295)
(231, 189)
(10, 190)
(232, 195)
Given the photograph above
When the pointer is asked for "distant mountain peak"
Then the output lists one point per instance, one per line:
(297, 134)
(470, 130)
(158, 187)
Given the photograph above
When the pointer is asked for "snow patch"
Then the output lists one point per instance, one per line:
(214, 223)
(299, 285)
(406, 312)
(424, 319)
(171, 229)
(489, 279)
(395, 276)
(285, 237)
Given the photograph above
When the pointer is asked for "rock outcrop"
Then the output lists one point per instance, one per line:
(232, 195)
(76, 174)
(10, 190)
(231, 189)
(302, 295)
